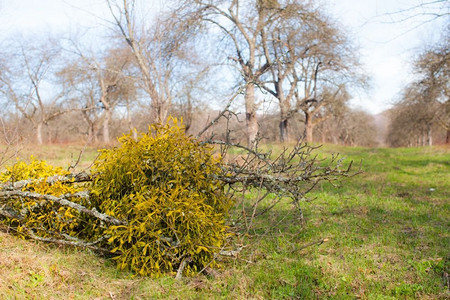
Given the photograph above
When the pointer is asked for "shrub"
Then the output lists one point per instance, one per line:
(43, 217)
(164, 186)
(161, 191)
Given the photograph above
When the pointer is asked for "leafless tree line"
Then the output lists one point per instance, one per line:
(194, 54)
(423, 113)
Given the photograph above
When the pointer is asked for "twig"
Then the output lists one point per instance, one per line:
(9, 213)
(74, 165)
(231, 253)
(77, 243)
(319, 242)
(221, 114)
(261, 156)
(181, 267)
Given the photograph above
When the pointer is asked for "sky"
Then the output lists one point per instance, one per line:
(387, 40)
(389, 34)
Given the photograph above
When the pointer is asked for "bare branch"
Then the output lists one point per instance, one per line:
(72, 178)
(63, 200)
(222, 113)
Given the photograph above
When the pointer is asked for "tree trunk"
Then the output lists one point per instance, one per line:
(429, 136)
(335, 139)
(250, 115)
(308, 127)
(130, 122)
(159, 110)
(284, 112)
(106, 138)
(39, 133)
(90, 136)
(284, 133)
(188, 114)
(322, 135)
(447, 138)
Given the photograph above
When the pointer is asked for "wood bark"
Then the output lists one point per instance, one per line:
(63, 200)
(308, 127)
(39, 139)
(250, 113)
(106, 120)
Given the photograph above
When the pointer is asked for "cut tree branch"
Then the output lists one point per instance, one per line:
(64, 200)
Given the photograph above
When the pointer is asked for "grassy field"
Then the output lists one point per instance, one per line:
(387, 235)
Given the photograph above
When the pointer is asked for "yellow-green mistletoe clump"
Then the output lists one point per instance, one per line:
(163, 185)
(154, 203)
(35, 169)
(39, 216)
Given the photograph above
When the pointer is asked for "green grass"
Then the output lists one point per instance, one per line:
(387, 234)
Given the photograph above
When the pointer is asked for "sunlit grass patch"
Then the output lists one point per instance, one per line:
(58, 155)
(386, 230)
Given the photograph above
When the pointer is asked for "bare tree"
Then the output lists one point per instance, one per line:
(413, 120)
(313, 61)
(424, 104)
(433, 69)
(156, 47)
(242, 24)
(347, 126)
(10, 140)
(316, 110)
(99, 82)
(283, 52)
(189, 99)
(28, 82)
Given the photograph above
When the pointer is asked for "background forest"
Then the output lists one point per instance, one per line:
(285, 69)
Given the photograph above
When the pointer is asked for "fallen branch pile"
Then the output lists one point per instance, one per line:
(146, 209)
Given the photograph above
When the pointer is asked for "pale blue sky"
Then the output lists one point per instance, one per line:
(385, 45)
